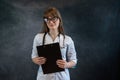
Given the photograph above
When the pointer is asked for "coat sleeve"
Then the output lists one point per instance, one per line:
(34, 49)
(71, 52)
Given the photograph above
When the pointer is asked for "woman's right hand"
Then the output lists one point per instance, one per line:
(39, 60)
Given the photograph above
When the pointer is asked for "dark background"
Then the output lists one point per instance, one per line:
(94, 25)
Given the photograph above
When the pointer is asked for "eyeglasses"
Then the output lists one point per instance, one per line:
(54, 19)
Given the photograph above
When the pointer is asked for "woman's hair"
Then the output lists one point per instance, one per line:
(52, 12)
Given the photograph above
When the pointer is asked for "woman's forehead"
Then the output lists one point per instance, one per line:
(49, 17)
(51, 14)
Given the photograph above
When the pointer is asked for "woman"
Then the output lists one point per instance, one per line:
(52, 33)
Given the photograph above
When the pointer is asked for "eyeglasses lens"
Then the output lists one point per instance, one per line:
(54, 19)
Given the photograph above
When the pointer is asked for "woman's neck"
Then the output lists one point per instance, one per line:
(53, 34)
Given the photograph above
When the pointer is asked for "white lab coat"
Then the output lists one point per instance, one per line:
(67, 50)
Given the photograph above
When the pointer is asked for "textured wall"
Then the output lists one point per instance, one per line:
(94, 26)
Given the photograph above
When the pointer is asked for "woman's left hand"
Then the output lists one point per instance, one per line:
(61, 63)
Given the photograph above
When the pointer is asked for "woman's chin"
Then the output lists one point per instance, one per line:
(52, 28)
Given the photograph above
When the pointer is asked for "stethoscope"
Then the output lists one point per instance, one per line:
(63, 45)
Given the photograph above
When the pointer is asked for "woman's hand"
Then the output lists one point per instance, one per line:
(64, 64)
(39, 60)
(61, 63)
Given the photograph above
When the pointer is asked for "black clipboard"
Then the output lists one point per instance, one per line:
(52, 53)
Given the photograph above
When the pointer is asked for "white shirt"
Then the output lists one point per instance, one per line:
(67, 50)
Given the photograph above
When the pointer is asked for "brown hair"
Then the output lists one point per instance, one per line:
(52, 12)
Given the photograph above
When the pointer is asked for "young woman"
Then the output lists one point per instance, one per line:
(53, 32)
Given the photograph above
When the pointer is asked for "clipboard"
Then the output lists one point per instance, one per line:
(52, 53)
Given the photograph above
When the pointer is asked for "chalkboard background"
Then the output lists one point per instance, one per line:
(94, 25)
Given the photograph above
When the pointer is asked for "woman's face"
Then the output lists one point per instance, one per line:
(52, 22)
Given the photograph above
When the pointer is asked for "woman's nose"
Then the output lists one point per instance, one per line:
(50, 21)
